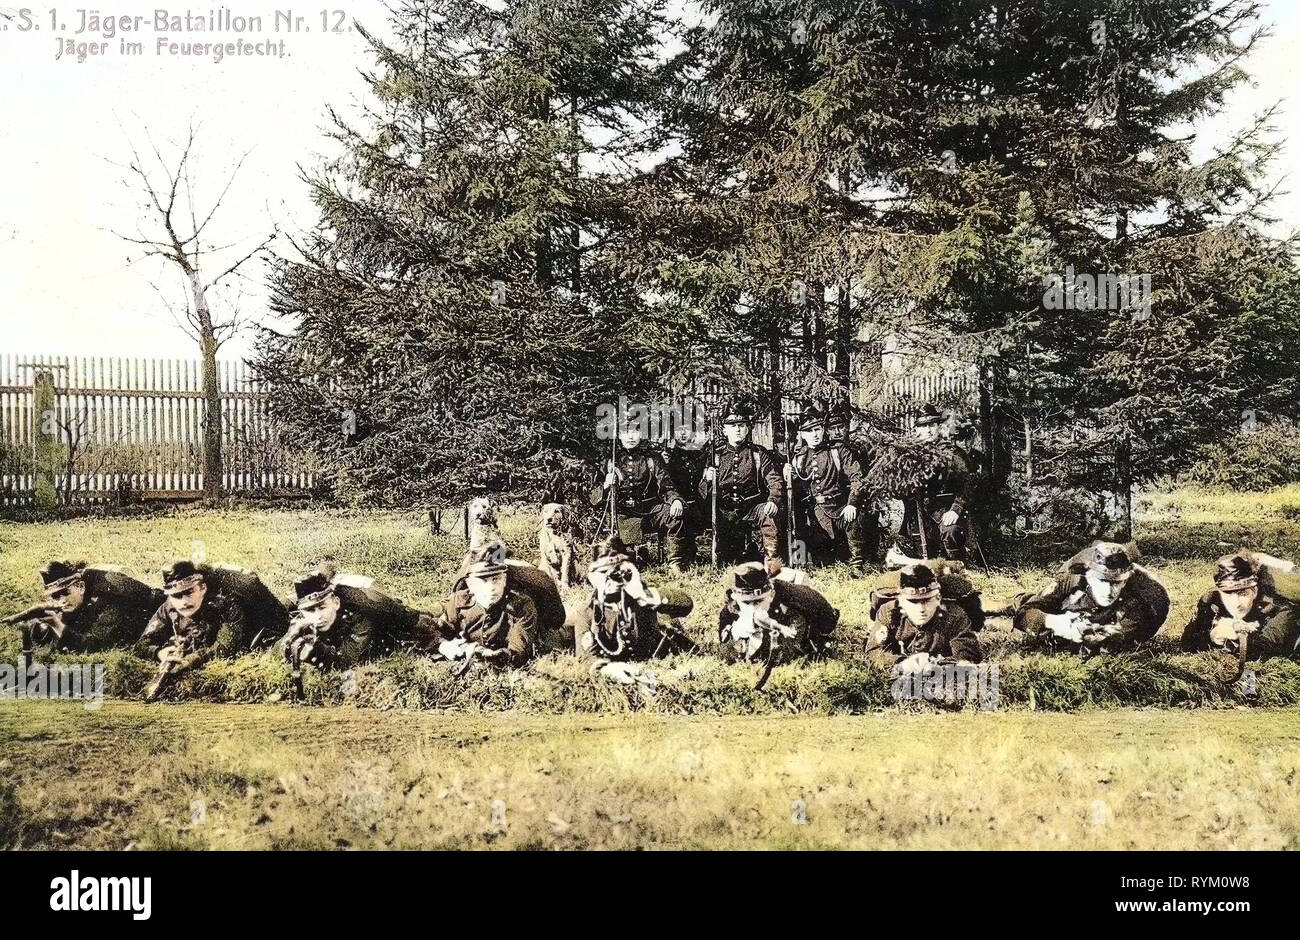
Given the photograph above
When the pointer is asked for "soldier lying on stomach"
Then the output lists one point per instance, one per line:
(338, 625)
(88, 608)
(1252, 612)
(1110, 606)
(487, 619)
(918, 626)
(208, 612)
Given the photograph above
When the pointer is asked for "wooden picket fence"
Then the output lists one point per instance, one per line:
(97, 429)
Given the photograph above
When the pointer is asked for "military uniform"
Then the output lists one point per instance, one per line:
(236, 610)
(825, 480)
(631, 630)
(954, 586)
(1271, 627)
(113, 612)
(948, 634)
(805, 612)
(747, 477)
(551, 634)
(646, 493)
(1136, 615)
(368, 624)
(510, 624)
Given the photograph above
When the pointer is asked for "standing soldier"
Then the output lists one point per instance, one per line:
(936, 519)
(207, 613)
(647, 498)
(766, 620)
(826, 482)
(486, 619)
(918, 626)
(750, 492)
(1253, 611)
(338, 625)
(88, 608)
(625, 618)
(1110, 606)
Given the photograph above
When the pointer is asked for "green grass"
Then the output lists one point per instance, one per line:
(259, 777)
(410, 563)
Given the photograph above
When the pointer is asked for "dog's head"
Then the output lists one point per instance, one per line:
(555, 516)
(482, 511)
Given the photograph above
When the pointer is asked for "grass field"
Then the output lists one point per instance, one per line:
(266, 777)
(577, 762)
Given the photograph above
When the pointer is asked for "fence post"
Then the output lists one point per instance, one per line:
(45, 439)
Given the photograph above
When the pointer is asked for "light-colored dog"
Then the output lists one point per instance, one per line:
(557, 543)
(481, 522)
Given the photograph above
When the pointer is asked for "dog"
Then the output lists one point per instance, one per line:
(557, 543)
(481, 522)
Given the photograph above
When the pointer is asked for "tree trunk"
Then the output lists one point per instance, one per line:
(212, 459)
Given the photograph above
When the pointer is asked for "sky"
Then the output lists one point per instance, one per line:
(70, 285)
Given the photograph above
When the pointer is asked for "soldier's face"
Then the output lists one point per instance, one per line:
(487, 590)
(920, 612)
(1239, 603)
(186, 601)
(630, 437)
(321, 613)
(1104, 592)
(70, 596)
(928, 433)
(813, 437)
(735, 433)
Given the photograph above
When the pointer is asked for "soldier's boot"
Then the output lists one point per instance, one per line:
(681, 552)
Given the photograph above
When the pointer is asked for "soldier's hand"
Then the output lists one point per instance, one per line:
(710, 473)
(768, 509)
(675, 509)
(170, 654)
(611, 478)
(917, 662)
(849, 514)
(951, 517)
(1065, 626)
(788, 472)
(1224, 631)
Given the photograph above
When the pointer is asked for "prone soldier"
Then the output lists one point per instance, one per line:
(954, 586)
(625, 618)
(88, 608)
(1109, 606)
(826, 482)
(487, 619)
(551, 634)
(338, 625)
(1253, 611)
(208, 612)
(765, 620)
(646, 496)
(918, 626)
(749, 492)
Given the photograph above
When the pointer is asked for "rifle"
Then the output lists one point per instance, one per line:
(39, 613)
(789, 499)
(713, 492)
(613, 487)
(169, 669)
(35, 612)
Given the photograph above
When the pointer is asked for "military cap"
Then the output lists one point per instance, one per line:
(608, 553)
(1236, 573)
(181, 575)
(930, 415)
(737, 412)
(749, 582)
(58, 574)
(917, 583)
(1111, 562)
(486, 560)
(314, 587)
(812, 416)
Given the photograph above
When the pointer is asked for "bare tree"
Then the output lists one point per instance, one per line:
(176, 234)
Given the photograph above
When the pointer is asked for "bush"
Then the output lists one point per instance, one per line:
(1266, 458)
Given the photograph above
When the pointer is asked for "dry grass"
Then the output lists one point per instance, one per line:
(259, 777)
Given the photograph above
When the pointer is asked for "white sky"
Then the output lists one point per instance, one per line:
(65, 284)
